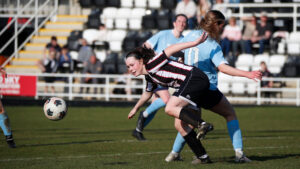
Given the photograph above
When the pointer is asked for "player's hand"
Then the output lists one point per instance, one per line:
(255, 75)
(132, 113)
(202, 38)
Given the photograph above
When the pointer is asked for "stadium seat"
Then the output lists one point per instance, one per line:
(108, 16)
(238, 85)
(135, 21)
(293, 48)
(130, 41)
(93, 21)
(277, 60)
(140, 3)
(169, 4)
(244, 60)
(251, 86)
(113, 3)
(154, 4)
(73, 40)
(100, 3)
(89, 35)
(224, 82)
(294, 37)
(164, 20)
(85, 3)
(148, 22)
(260, 58)
(121, 21)
(143, 37)
(101, 55)
(127, 3)
(115, 40)
(74, 55)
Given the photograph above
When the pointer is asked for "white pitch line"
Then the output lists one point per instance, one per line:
(135, 154)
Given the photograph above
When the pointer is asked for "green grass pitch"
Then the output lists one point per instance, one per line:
(100, 137)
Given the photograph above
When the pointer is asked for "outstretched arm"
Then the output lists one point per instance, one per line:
(144, 98)
(169, 51)
(254, 75)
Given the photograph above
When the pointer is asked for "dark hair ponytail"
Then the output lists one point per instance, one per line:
(209, 22)
(141, 53)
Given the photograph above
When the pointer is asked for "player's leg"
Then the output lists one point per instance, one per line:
(179, 142)
(190, 137)
(5, 126)
(225, 109)
(146, 116)
(177, 107)
(178, 145)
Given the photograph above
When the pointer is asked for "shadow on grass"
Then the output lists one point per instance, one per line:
(116, 163)
(66, 143)
(263, 158)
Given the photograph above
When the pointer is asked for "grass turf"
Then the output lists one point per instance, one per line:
(100, 137)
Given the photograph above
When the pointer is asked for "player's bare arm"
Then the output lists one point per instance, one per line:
(144, 98)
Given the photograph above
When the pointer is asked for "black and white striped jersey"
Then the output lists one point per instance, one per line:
(165, 72)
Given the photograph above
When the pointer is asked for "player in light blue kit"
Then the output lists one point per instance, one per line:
(158, 43)
(207, 57)
(4, 122)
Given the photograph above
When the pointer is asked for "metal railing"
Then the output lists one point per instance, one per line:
(35, 15)
(69, 85)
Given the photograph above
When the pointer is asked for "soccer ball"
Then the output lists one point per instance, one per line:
(55, 108)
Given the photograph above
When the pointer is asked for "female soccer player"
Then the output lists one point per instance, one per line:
(4, 122)
(192, 85)
(208, 57)
(158, 43)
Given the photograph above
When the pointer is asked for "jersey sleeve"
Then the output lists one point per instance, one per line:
(150, 85)
(157, 62)
(217, 56)
(154, 40)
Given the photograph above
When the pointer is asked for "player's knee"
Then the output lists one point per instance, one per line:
(169, 109)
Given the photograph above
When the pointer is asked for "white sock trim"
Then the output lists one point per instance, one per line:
(145, 114)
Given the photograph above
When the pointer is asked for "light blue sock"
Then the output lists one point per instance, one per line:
(4, 124)
(154, 106)
(178, 143)
(235, 134)
(149, 118)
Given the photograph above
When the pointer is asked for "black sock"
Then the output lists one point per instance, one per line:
(190, 117)
(194, 144)
(140, 122)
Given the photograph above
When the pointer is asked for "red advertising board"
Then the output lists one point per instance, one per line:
(18, 85)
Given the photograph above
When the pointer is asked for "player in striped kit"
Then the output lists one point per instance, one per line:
(192, 85)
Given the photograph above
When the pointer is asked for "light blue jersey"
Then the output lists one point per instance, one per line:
(162, 40)
(207, 56)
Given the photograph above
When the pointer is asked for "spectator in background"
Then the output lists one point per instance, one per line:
(265, 73)
(49, 65)
(263, 32)
(248, 33)
(93, 66)
(65, 65)
(188, 8)
(231, 36)
(65, 62)
(203, 7)
(85, 53)
(52, 45)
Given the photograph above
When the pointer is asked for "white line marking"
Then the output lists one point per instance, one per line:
(135, 154)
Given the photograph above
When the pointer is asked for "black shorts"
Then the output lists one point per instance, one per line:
(195, 90)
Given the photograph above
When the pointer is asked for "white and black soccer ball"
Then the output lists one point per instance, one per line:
(55, 108)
